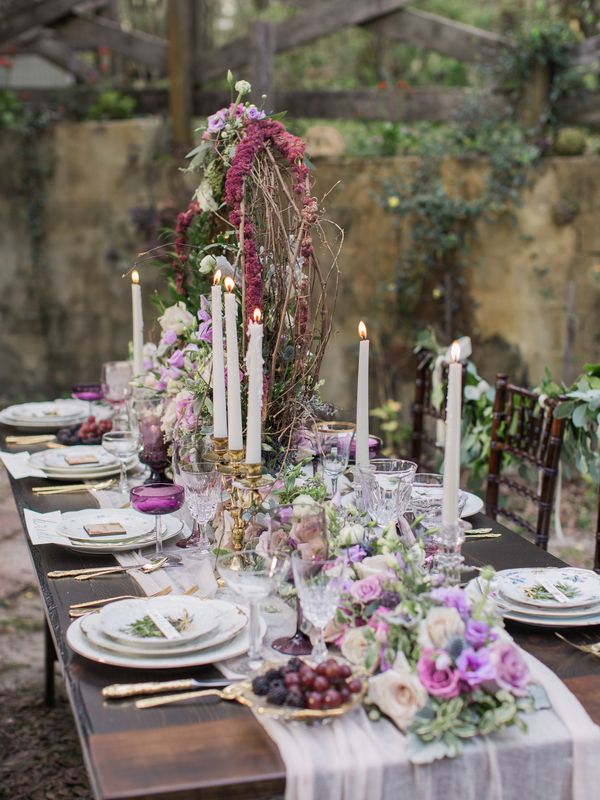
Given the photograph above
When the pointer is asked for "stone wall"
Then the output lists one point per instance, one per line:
(65, 309)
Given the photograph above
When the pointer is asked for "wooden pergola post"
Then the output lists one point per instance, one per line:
(262, 44)
(180, 66)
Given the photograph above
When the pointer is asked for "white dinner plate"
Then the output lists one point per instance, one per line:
(72, 523)
(52, 410)
(172, 527)
(472, 506)
(237, 646)
(56, 460)
(581, 586)
(233, 619)
(116, 619)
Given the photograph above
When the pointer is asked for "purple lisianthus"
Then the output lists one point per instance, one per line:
(365, 590)
(176, 359)
(512, 673)
(254, 113)
(169, 338)
(204, 333)
(475, 667)
(477, 633)
(191, 348)
(171, 373)
(443, 683)
(354, 554)
(203, 315)
(452, 598)
(217, 121)
(148, 364)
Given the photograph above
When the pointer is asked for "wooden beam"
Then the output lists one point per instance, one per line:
(83, 32)
(58, 53)
(328, 17)
(180, 31)
(442, 35)
(20, 17)
(262, 35)
(587, 53)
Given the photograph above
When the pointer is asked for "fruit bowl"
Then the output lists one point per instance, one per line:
(88, 432)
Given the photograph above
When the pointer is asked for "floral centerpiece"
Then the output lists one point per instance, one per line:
(253, 216)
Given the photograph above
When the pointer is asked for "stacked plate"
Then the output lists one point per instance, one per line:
(133, 633)
(550, 597)
(58, 464)
(138, 530)
(50, 415)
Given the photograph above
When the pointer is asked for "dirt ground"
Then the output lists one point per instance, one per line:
(40, 757)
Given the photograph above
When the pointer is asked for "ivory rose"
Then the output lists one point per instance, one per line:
(176, 318)
(352, 534)
(372, 565)
(356, 645)
(440, 626)
(398, 693)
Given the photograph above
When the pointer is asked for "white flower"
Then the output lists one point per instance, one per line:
(150, 381)
(243, 87)
(225, 266)
(398, 692)
(440, 626)
(355, 645)
(204, 196)
(303, 505)
(208, 264)
(176, 318)
(372, 565)
(352, 534)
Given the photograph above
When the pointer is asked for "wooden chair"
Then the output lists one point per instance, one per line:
(532, 436)
(422, 409)
(597, 550)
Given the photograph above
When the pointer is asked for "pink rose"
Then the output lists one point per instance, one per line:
(436, 675)
(512, 673)
(365, 590)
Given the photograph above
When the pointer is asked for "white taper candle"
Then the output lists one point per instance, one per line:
(138, 324)
(254, 367)
(452, 448)
(234, 403)
(362, 399)
(218, 360)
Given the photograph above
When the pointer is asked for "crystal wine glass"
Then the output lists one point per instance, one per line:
(116, 386)
(253, 576)
(202, 484)
(123, 445)
(308, 535)
(386, 487)
(427, 499)
(158, 499)
(319, 587)
(89, 392)
(334, 439)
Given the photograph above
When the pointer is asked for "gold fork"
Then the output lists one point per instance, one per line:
(78, 609)
(592, 649)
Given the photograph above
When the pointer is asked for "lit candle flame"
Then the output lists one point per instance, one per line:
(217, 278)
(257, 315)
(455, 352)
(229, 284)
(135, 276)
(362, 330)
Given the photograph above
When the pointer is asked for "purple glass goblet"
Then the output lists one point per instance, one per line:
(158, 499)
(154, 449)
(87, 391)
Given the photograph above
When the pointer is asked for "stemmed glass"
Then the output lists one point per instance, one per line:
(87, 391)
(253, 576)
(158, 499)
(319, 587)
(308, 535)
(202, 484)
(116, 385)
(123, 445)
(386, 487)
(334, 439)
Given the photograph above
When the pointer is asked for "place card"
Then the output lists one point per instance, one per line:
(104, 529)
(81, 459)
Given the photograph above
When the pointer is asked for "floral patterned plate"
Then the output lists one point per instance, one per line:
(533, 587)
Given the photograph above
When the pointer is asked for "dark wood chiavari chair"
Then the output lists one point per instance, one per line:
(533, 437)
(423, 445)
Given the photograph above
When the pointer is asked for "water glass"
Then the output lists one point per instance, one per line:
(319, 586)
(116, 386)
(334, 440)
(202, 484)
(123, 445)
(386, 487)
(427, 498)
(158, 499)
(253, 576)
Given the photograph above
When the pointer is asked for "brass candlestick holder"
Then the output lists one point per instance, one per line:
(218, 454)
(245, 482)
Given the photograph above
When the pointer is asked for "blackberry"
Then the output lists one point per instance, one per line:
(260, 685)
(389, 599)
(277, 695)
(294, 664)
(295, 699)
(273, 674)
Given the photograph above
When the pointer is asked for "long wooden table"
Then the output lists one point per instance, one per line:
(210, 749)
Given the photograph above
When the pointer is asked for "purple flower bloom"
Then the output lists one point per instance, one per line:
(476, 632)
(355, 553)
(176, 359)
(475, 667)
(171, 373)
(191, 348)
(217, 121)
(204, 333)
(148, 364)
(203, 315)
(453, 598)
(512, 673)
(169, 338)
(443, 683)
(365, 590)
(253, 113)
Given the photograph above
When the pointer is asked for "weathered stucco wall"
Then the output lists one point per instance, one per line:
(66, 310)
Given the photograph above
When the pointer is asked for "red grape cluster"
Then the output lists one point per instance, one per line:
(327, 685)
(89, 432)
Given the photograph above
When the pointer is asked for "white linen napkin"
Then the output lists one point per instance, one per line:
(18, 465)
(42, 527)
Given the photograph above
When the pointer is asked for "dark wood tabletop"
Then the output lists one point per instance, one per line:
(209, 749)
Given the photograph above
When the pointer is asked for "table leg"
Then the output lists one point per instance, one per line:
(49, 659)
